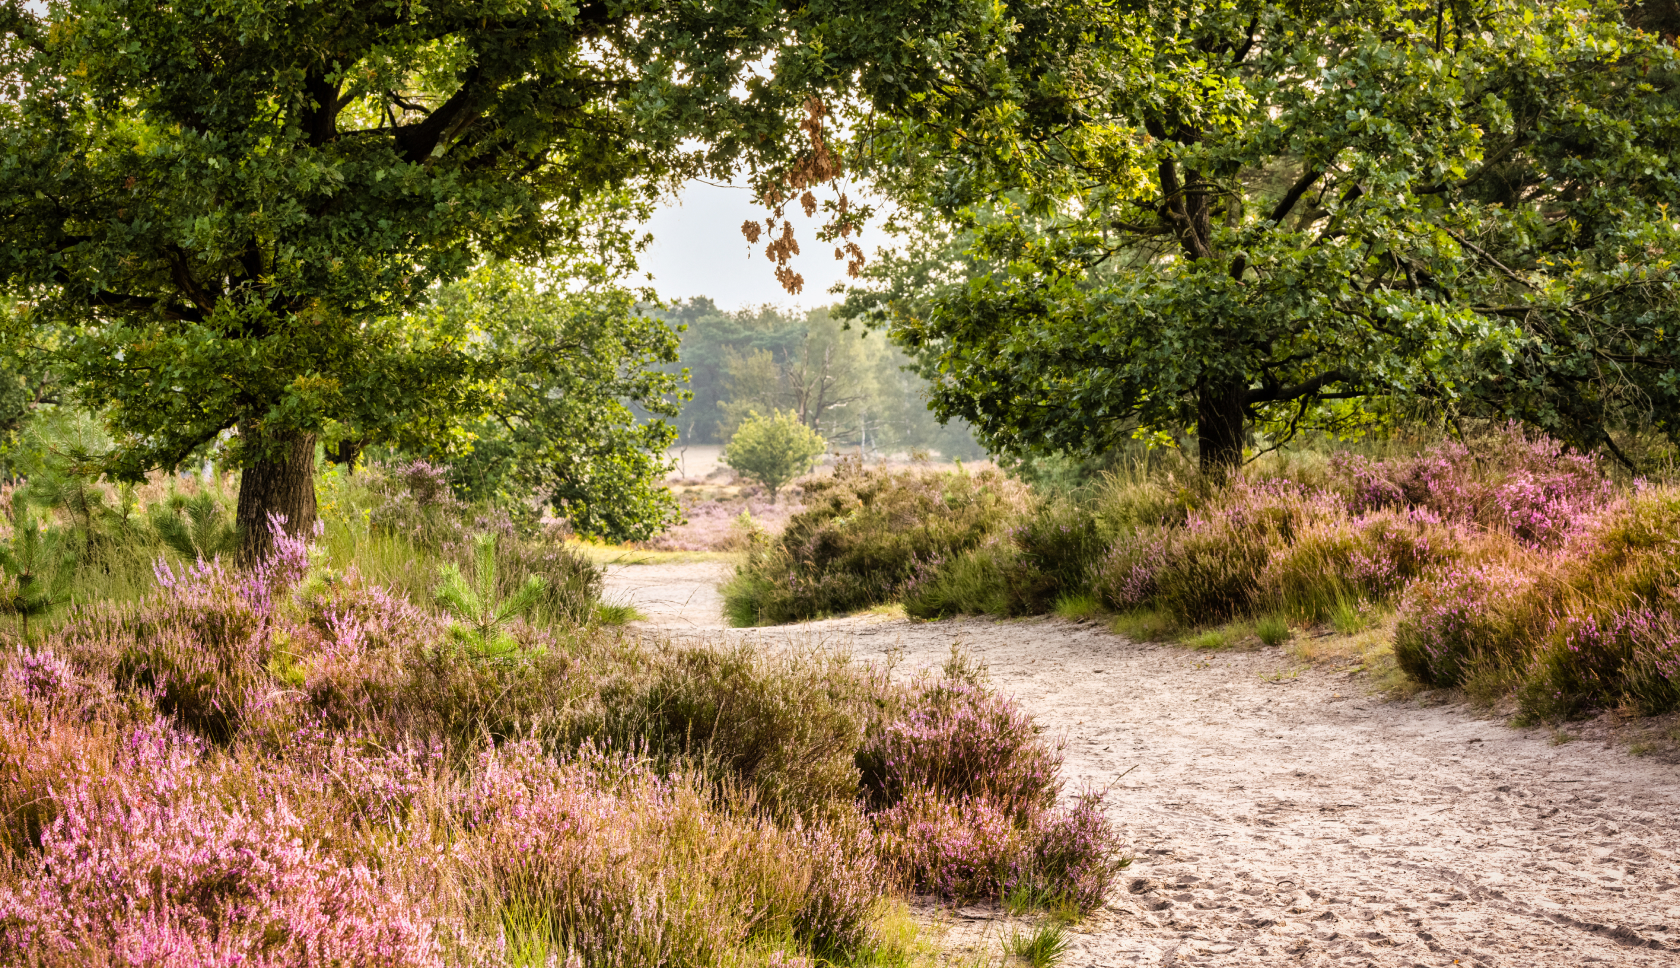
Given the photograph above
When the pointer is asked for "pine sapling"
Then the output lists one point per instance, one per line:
(37, 565)
(480, 617)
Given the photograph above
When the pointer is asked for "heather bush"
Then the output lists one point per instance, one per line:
(964, 791)
(1056, 548)
(785, 726)
(960, 740)
(150, 862)
(862, 537)
(1525, 484)
(1462, 617)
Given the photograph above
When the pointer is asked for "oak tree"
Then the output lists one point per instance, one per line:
(232, 206)
(1231, 215)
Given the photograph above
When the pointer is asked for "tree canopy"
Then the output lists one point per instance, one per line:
(1233, 214)
(556, 421)
(231, 206)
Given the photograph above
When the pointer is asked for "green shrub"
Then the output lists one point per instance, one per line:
(973, 582)
(773, 450)
(864, 536)
(1056, 549)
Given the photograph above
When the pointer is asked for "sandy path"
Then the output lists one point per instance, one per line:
(1299, 821)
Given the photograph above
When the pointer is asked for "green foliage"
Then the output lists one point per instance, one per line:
(37, 564)
(1041, 947)
(229, 210)
(478, 608)
(774, 450)
(1276, 216)
(61, 453)
(196, 527)
(1077, 606)
(864, 538)
(559, 423)
(1272, 629)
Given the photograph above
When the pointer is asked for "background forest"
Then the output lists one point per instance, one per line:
(852, 387)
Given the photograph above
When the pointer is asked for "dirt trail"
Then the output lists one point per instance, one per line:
(1283, 819)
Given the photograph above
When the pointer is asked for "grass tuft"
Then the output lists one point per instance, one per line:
(1078, 607)
(1144, 626)
(1041, 947)
(618, 613)
(1273, 630)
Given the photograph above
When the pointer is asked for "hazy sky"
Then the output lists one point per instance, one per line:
(698, 250)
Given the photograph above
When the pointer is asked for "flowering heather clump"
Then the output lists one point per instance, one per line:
(40, 675)
(151, 864)
(961, 740)
(1126, 577)
(1213, 564)
(965, 794)
(1530, 486)
(961, 849)
(1462, 615)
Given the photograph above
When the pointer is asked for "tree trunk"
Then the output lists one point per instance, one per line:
(284, 488)
(345, 453)
(1219, 428)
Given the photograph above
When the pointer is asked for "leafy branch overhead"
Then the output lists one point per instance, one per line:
(1243, 216)
(231, 209)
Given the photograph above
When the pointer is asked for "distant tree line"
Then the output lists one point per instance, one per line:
(851, 387)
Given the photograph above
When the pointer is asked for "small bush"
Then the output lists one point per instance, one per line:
(865, 535)
(964, 792)
(773, 450)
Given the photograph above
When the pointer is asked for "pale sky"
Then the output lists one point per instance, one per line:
(698, 250)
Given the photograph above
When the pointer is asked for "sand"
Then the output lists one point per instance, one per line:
(1284, 815)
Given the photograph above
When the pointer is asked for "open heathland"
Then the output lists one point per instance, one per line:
(1508, 565)
(416, 740)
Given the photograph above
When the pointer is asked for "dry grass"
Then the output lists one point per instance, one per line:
(609, 554)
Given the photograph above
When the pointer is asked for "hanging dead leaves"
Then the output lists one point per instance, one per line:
(818, 165)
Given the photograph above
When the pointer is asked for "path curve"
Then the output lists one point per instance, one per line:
(1297, 820)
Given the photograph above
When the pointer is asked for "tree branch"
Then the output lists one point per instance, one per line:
(1287, 203)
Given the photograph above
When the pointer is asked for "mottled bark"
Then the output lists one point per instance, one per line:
(284, 487)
